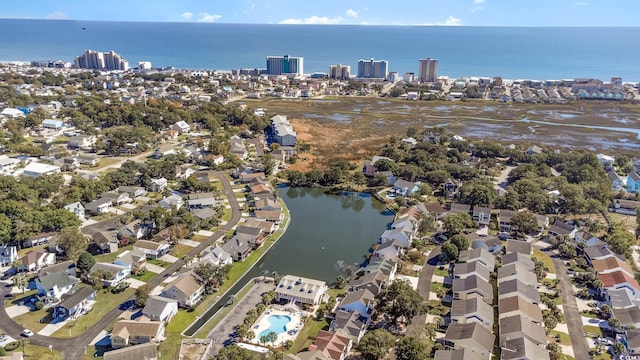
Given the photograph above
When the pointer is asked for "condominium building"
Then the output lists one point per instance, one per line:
(339, 71)
(278, 65)
(428, 70)
(101, 60)
(373, 69)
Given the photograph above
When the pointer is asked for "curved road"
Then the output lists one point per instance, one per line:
(73, 349)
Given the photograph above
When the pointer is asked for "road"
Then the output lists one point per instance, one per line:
(424, 285)
(571, 313)
(73, 349)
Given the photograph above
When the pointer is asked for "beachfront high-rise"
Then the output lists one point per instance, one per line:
(373, 69)
(278, 65)
(339, 71)
(101, 60)
(428, 70)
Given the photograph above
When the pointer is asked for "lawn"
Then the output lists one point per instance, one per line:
(545, 259)
(434, 286)
(588, 314)
(220, 314)
(199, 238)
(565, 357)
(441, 272)
(604, 356)
(103, 162)
(145, 276)
(105, 302)
(180, 250)
(592, 330)
(91, 350)
(40, 352)
(31, 320)
(565, 339)
(307, 335)
(108, 258)
(159, 262)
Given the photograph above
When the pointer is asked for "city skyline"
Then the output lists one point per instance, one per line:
(355, 12)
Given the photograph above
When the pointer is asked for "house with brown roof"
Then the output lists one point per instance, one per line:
(611, 264)
(274, 216)
(619, 280)
(518, 305)
(139, 331)
(308, 355)
(36, 260)
(471, 287)
(152, 249)
(333, 344)
(457, 208)
(148, 351)
(518, 326)
(472, 310)
(187, 289)
(472, 337)
(434, 209)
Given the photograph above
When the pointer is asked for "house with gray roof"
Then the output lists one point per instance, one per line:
(300, 290)
(387, 267)
(629, 317)
(563, 228)
(216, 256)
(472, 337)
(76, 304)
(401, 235)
(518, 326)
(451, 354)
(464, 270)
(186, 289)
(504, 219)
(457, 208)
(481, 255)
(481, 215)
(598, 252)
(390, 250)
(350, 324)
(520, 258)
(622, 298)
(519, 246)
(518, 305)
(56, 284)
(158, 308)
(361, 301)
(516, 287)
(633, 340)
(472, 310)
(99, 206)
(118, 273)
(517, 271)
(238, 247)
(374, 281)
(148, 351)
(523, 349)
(470, 287)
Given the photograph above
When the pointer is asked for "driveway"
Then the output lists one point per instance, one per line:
(154, 268)
(570, 308)
(424, 284)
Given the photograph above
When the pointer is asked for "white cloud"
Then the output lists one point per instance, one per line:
(451, 21)
(477, 8)
(208, 18)
(478, 1)
(352, 13)
(56, 15)
(313, 20)
(186, 15)
(582, 3)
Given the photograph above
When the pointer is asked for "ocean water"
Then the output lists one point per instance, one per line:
(511, 52)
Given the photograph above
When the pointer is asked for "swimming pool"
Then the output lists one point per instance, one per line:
(277, 324)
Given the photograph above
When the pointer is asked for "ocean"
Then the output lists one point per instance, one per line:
(510, 52)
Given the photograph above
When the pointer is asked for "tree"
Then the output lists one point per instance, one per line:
(523, 222)
(142, 295)
(375, 344)
(478, 192)
(340, 282)
(620, 240)
(454, 224)
(73, 242)
(614, 323)
(410, 349)
(449, 252)
(619, 348)
(268, 164)
(23, 344)
(550, 323)
(85, 263)
(399, 301)
(427, 224)
(20, 281)
(460, 241)
(213, 275)
(272, 337)
(553, 347)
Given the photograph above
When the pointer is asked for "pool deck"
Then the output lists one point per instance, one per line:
(293, 327)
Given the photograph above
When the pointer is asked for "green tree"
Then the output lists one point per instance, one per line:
(619, 239)
(400, 302)
(142, 295)
(550, 323)
(21, 282)
(427, 224)
(85, 263)
(524, 222)
(213, 275)
(268, 164)
(478, 192)
(619, 348)
(410, 349)
(73, 242)
(449, 252)
(454, 224)
(376, 344)
(460, 241)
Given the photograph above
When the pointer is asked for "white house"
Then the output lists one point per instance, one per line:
(158, 184)
(52, 124)
(186, 289)
(55, 284)
(300, 290)
(8, 254)
(36, 169)
(12, 113)
(152, 249)
(7, 164)
(181, 126)
(77, 209)
(159, 308)
(118, 273)
(36, 260)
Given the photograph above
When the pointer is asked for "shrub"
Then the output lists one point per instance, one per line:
(12, 346)
(39, 305)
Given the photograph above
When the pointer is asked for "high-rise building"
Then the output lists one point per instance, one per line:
(428, 70)
(278, 65)
(339, 71)
(144, 65)
(373, 69)
(98, 60)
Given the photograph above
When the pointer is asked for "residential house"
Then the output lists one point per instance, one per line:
(493, 243)
(350, 324)
(36, 260)
(632, 338)
(203, 200)
(172, 202)
(518, 326)
(504, 220)
(267, 203)
(481, 215)
(117, 199)
(134, 230)
(186, 289)
(401, 235)
(481, 255)
(183, 171)
(562, 228)
(308, 355)
(450, 354)
(369, 168)
(238, 247)
(300, 290)
(105, 241)
(617, 184)
(39, 239)
(131, 259)
(520, 258)
(139, 331)
(523, 349)
(473, 337)
(374, 281)
(148, 351)
(274, 216)
(517, 271)
(8, 254)
(629, 317)
(54, 285)
(133, 191)
(238, 148)
(252, 235)
(158, 185)
(434, 209)
(52, 124)
(216, 256)
(588, 239)
(543, 221)
(181, 127)
(36, 169)
(471, 287)
(361, 301)
(517, 305)
(387, 267)
(248, 177)
(77, 209)
(282, 132)
(152, 249)
(598, 252)
(473, 268)
(622, 298)
(75, 304)
(158, 308)
(619, 280)
(8, 165)
(390, 250)
(261, 190)
(611, 264)
(519, 246)
(112, 274)
(472, 310)
(457, 208)
(90, 160)
(627, 207)
(83, 142)
(164, 150)
(405, 188)
(534, 150)
(633, 182)
(99, 206)
(333, 344)
(68, 266)
(451, 188)
(515, 287)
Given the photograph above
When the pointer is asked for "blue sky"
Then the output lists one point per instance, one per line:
(365, 12)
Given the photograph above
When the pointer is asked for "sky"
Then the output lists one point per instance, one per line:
(345, 12)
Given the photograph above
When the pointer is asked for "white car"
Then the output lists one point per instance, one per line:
(27, 333)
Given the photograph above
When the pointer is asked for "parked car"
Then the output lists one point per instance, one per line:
(27, 333)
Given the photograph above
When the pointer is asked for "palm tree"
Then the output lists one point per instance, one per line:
(20, 282)
(23, 343)
(276, 277)
(272, 337)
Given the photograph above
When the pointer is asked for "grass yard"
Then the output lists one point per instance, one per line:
(565, 357)
(32, 319)
(220, 314)
(103, 162)
(588, 314)
(40, 352)
(180, 250)
(109, 258)
(104, 303)
(604, 356)
(434, 286)
(441, 272)
(91, 350)
(592, 330)
(565, 339)
(545, 259)
(159, 262)
(307, 335)
(145, 276)
(199, 238)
